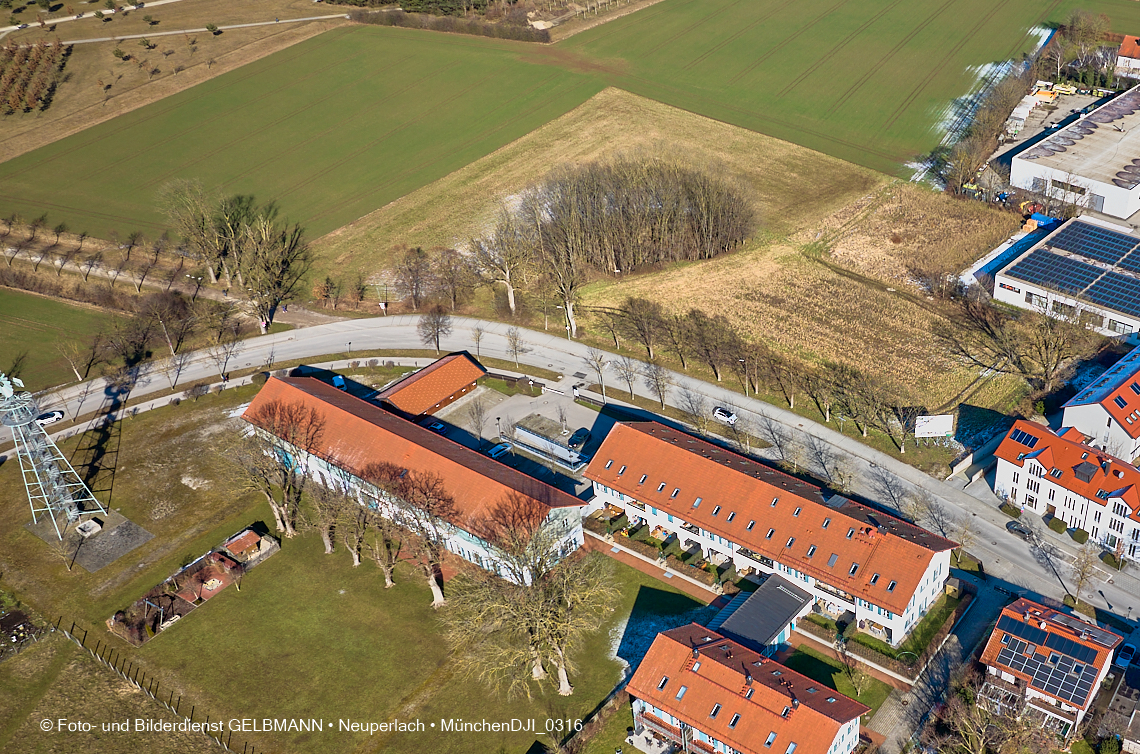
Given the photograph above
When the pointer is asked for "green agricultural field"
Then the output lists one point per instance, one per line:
(31, 326)
(331, 128)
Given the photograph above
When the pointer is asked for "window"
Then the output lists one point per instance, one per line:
(812, 690)
(774, 501)
(621, 471)
(664, 680)
(676, 491)
(854, 568)
(791, 541)
(791, 748)
(697, 502)
(609, 463)
(735, 719)
(826, 522)
(1135, 388)
(731, 516)
(716, 510)
(715, 710)
(831, 700)
(1120, 402)
(891, 586)
(681, 691)
(1016, 477)
(831, 561)
(643, 478)
(661, 487)
(696, 666)
(874, 579)
(796, 512)
(750, 525)
(1035, 300)
(850, 533)
(811, 551)
(749, 694)
(770, 739)
(786, 712)
(1119, 327)
(770, 533)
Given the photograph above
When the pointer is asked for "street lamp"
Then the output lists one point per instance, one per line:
(498, 429)
(197, 285)
(745, 377)
(349, 348)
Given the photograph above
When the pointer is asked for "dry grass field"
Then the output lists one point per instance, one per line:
(98, 87)
(783, 177)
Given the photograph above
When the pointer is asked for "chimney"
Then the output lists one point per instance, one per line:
(747, 679)
(696, 652)
(795, 703)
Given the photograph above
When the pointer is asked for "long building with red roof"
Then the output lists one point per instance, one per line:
(1051, 662)
(1059, 474)
(850, 557)
(707, 693)
(439, 384)
(355, 433)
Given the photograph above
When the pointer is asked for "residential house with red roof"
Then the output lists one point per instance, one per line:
(1108, 410)
(1128, 57)
(1061, 475)
(356, 433)
(848, 556)
(1046, 663)
(706, 693)
(439, 384)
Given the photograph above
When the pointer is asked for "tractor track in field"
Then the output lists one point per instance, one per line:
(733, 37)
(902, 108)
(862, 80)
(294, 113)
(163, 110)
(832, 50)
(464, 145)
(641, 16)
(245, 135)
(121, 219)
(786, 41)
(688, 29)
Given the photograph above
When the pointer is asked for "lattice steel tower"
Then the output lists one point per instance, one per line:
(52, 485)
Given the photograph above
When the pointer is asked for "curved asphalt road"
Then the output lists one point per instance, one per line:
(1010, 562)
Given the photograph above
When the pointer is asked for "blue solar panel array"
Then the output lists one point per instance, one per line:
(1116, 291)
(1065, 671)
(1023, 437)
(1053, 271)
(1130, 262)
(1094, 242)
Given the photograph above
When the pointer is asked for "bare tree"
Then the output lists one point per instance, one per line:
(434, 325)
(477, 333)
(674, 331)
(965, 536)
(515, 344)
(774, 433)
(598, 361)
(384, 542)
(642, 322)
(425, 508)
(888, 488)
(1083, 568)
(328, 504)
(173, 367)
(354, 527)
(413, 275)
(852, 668)
(923, 507)
(507, 255)
(225, 343)
(477, 414)
(277, 457)
(91, 262)
(696, 409)
(190, 210)
(628, 370)
(821, 455)
(274, 260)
(711, 338)
(454, 276)
(658, 380)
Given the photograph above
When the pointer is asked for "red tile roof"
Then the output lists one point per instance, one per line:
(357, 433)
(247, 540)
(733, 485)
(1130, 47)
(812, 721)
(423, 391)
(1051, 621)
(1065, 459)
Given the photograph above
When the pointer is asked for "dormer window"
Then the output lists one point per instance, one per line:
(676, 491)
(785, 712)
(661, 487)
(609, 463)
(748, 694)
(1120, 402)
(826, 522)
(681, 692)
(891, 586)
(643, 478)
(735, 719)
(854, 568)
(774, 501)
(874, 579)
(771, 739)
(715, 710)
(770, 533)
(811, 551)
(750, 525)
(664, 680)
(791, 541)
(621, 471)
(716, 510)
(731, 516)
(850, 533)
(831, 561)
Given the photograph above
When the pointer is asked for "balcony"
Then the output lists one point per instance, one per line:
(635, 504)
(837, 593)
(762, 560)
(691, 529)
(670, 733)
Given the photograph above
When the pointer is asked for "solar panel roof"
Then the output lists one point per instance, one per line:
(1023, 437)
(1130, 262)
(1093, 242)
(1051, 270)
(1054, 664)
(1116, 291)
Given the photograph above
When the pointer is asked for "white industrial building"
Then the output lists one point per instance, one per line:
(1108, 410)
(1092, 163)
(1087, 268)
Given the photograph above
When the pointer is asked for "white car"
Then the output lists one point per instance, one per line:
(50, 417)
(720, 413)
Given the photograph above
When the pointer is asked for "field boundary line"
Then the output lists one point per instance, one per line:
(610, 32)
(202, 30)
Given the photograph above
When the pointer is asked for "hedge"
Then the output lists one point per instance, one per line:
(470, 26)
(643, 548)
(1011, 510)
(1080, 536)
(1057, 525)
(692, 572)
(260, 378)
(594, 525)
(617, 524)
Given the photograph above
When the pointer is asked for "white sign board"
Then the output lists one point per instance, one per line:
(941, 425)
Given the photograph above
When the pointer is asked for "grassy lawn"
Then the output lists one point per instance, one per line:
(31, 326)
(830, 673)
(330, 128)
(612, 735)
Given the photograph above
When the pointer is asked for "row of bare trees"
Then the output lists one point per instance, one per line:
(602, 218)
(505, 626)
(441, 275)
(242, 240)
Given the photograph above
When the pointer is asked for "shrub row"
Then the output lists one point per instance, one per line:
(472, 26)
(643, 548)
(1057, 525)
(594, 525)
(99, 295)
(692, 572)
